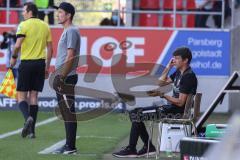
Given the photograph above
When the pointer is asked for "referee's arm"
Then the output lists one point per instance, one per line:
(49, 57)
(16, 50)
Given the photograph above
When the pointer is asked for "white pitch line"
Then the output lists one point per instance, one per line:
(54, 147)
(99, 137)
(59, 144)
(8, 134)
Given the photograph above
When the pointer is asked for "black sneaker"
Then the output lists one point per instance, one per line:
(126, 152)
(65, 150)
(143, 152)
(27, 127)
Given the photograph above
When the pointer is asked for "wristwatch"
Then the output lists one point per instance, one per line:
(14, 56)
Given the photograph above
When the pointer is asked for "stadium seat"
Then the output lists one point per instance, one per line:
(2, 17)
(168, 20)
(168, 4)
(13, 17)
(190, 5)
(148, 19)
(190, 21)
(149, 4)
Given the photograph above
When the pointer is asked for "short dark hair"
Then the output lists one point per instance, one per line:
(67, 7)
(184, 53)
(31, 7)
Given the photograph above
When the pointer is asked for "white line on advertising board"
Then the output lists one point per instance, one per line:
(165, 50)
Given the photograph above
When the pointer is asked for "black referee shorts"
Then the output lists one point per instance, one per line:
(31, 75)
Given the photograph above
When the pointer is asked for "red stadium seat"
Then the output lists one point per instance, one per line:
(2, 16)
(149, 4)
(13, 17)
(168, 4)
(148, 19)
(191, 5)
(190, 21)
(168, 20)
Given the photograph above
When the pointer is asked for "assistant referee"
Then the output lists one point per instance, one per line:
(33, 36)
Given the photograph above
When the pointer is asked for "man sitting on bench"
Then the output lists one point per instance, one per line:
(184, 83)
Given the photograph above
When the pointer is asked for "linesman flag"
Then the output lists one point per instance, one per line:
(8, 86)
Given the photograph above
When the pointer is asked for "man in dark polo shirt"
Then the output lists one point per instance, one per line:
(184, 83)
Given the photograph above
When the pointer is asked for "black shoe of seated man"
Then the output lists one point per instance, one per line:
(126, 152)
(144, 151)
(65, 150)
(27, 127)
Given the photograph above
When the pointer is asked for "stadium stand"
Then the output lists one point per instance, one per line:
(13, 14)
(13, 17)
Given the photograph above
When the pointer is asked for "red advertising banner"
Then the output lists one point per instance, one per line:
(139, 46)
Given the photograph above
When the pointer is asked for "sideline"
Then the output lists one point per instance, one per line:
(59, 144)
(8, 134)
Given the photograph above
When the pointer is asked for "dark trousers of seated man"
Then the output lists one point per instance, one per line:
(67, 109)
(138, 128)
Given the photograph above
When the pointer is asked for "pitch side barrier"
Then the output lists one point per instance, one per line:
(229, 87)
(211, 50)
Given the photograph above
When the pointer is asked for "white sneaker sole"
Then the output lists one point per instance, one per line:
(149, 154)
(125, 156)
(70, 152)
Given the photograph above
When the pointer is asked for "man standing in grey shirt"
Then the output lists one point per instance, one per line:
(66, 64)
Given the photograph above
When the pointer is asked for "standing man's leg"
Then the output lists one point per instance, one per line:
(23, 86)
(24, 108)
(37, 76)
(23, 104)
(71, 122)
(67, 109)
(71, 126)
(33, 110)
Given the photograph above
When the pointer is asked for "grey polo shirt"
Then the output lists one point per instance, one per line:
(70, 38)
